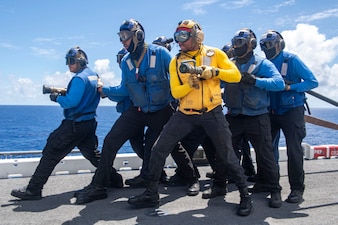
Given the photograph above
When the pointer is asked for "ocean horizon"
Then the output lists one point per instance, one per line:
(27, 127)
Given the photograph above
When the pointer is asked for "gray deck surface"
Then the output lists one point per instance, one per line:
(320, 205)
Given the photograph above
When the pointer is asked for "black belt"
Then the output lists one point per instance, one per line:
(203, 110)
(83, 114)
(79, 115)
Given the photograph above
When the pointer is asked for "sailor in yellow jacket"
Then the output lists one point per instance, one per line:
(208, 94)
(195, 75)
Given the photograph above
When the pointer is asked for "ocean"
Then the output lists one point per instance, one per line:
(26, 128)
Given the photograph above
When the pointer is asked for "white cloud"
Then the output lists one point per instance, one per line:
(326, 14)
(318, 53)
(275, 8)
(45, 52)
(53, 41)
(25, 91)
(236, 4)
(58, 79)
(318, 16)
(103, 69)
(21, 91)
(7, 45)
(198, 6)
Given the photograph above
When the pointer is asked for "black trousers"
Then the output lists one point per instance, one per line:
(247, 162)
(293, 126)
(190, 143)
(61, 142)
(126, 126)
(137, 143)
(216, 127)
(183, 156)
(257, 130)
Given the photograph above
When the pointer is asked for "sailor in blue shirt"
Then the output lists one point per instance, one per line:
(145, 79)
(287, 107)
(123, 103)
(78, 128)
(137, 141)
(248, 116)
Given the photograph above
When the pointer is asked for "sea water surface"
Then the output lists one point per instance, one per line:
(26, 128)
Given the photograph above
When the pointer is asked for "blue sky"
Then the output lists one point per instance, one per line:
(36, 34)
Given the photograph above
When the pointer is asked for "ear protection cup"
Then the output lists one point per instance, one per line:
(83, 60)
(281, 43)
(139, 35)
(139, 31)
(199, 33)
(253, 43)
(253, 39)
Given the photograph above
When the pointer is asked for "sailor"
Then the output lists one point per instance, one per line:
(186, 173)
(145, 79)
(137, 141)
(287, 107)
(123, 103)
(78, 128)
(248, 116)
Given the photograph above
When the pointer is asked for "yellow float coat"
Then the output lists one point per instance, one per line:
(209, 95)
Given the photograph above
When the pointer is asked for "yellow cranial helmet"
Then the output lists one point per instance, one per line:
(189, 26)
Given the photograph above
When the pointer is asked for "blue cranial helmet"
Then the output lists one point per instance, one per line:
(244, 36)
(272, 43)
(132, 29)
(163, 41)
(229, 50)
(76, 55)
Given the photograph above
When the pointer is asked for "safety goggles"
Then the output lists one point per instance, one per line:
(125, 35)
(182, 35)
(70, 61)
(267, 44)
(268, 40)
(239, 42)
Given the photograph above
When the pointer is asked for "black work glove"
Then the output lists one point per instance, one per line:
(248, 79)
(53, 96)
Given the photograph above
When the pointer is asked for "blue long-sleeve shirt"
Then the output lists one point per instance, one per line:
(82, 98)
(253, 100)
(123, 102)
(147, 84)
(298, 76)
(74, 95)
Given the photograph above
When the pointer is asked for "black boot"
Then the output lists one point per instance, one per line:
(177, 180)
(275, 200)
(148, 199)
(214, 191)
(83, 190)
(194, 188)
(91, 193)
(245, 205)
(296, 196)
(137, 182)
(116, 180)
(25, 194)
